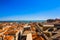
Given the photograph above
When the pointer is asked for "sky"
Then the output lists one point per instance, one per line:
(29, 9)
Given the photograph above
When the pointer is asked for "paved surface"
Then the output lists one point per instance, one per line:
(29, 36)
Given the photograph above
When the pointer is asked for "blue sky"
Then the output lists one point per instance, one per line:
(29, 9)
